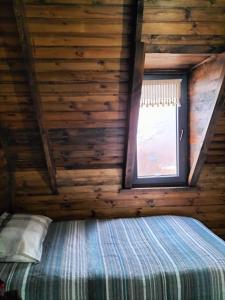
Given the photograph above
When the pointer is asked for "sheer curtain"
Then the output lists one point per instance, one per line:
(161, 92)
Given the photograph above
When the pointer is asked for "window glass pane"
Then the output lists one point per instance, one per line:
(157, 153)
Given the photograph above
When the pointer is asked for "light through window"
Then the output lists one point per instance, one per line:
(161, 143)
(157, 153)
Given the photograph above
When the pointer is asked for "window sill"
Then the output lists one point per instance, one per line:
(157, 189)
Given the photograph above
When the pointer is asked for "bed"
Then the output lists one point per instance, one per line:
(150, 258)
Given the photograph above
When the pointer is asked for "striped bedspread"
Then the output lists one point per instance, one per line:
(151, 258)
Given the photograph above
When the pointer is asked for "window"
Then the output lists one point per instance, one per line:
(161, 140)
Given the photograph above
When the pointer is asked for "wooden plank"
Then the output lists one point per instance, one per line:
(77, 106)
(65, 135)
(191, 49)
(85, 116)
(213, 14)
(95, 154)
(135, 95)
(183, 3)
(9, 41)
(67, 53)
(11, 108)
(68, 116)
(198, 156)
(84, 2)
(9, 65)
(184, 28)
(6, 76)
(71, 27)
(25, 40)
(77, 41)
(109, 12)
(71, 89)
(14, 89)
(12, 124)
(70, 76)
(7, 26)
(11, 53)
(172, 61)
(82, 65)
(206, 40)
(90, 99)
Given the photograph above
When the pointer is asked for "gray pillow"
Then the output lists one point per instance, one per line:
(21, 239)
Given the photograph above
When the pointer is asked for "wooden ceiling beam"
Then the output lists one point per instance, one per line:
(25, 41)
(135, 95)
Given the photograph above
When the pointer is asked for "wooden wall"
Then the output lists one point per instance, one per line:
(184, 26)
(5, 180)
(82, 54)
(206, 97)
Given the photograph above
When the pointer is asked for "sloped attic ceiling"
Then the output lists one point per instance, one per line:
(184, 26)
(82, 56)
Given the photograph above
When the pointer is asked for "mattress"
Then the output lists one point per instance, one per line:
(150, 258)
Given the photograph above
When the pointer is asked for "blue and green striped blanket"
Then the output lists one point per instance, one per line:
(151, 258)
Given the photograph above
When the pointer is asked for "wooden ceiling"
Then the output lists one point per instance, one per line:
(184, 26)
(82, 53)
(171, 61)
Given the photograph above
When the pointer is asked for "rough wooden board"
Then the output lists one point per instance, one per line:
(205, 108)
(172, 61)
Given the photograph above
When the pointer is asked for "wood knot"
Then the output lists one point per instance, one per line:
(150, 202)
(187, 14)
(111, 202)
(79, 53)
(138, 212)
(101, 62)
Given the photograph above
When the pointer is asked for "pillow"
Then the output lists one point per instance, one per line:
(3, 217)
(22, 237)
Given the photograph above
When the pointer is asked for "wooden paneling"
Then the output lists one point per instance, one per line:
(86, 2)
(83, 76)
(168, 61)
(216, 149)
(80, 12)
(6, 176)
(184, 26)
(99, 188)
(4, 182)
(206, 97)
(15, 102)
